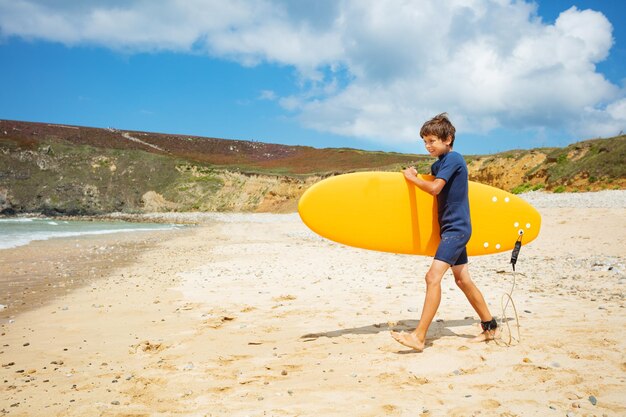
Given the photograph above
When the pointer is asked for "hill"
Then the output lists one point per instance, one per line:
(59, 169)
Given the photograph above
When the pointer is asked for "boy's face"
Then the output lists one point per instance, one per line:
(435, 146)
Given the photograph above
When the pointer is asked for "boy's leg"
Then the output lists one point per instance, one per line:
(417, 338)
(474, 296)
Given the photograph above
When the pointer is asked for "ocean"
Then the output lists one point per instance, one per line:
(23, 230)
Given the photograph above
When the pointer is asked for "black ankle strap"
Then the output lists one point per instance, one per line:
(489, 325)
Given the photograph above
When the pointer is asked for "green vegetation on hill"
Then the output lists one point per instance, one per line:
(589, 165)
(599, 159)
(81, 179)
(80, 170)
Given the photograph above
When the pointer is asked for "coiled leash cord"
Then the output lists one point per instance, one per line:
(509, 299)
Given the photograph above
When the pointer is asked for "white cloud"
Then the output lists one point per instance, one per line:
(604, 122)
(617, 110)
(267, 95)
(373, 68)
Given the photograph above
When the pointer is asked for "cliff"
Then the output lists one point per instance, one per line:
(57, 169)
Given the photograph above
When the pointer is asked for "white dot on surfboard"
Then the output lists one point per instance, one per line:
(516, 224)
(486, 244)
(507, 199)
(528, 225)
(494, 198)
(498, 246)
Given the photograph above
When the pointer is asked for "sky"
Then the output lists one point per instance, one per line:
(362, 74)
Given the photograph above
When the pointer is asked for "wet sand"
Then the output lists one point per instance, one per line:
(254, 315)
(34, 274)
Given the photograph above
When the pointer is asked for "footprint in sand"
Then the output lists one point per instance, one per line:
(287, 297)
(147, 347)
(490, 404)
(217, 322)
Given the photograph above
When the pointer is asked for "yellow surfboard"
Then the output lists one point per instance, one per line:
(383, 211)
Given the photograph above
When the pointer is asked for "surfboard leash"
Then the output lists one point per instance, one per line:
(509, 299)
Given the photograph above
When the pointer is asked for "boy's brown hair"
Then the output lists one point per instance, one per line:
(439, 126)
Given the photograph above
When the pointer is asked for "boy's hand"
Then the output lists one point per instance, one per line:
(410, 173)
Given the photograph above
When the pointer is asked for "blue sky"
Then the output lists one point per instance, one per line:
(361, 74)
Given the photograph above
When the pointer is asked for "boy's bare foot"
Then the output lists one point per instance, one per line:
(486, 335)
(409, 339)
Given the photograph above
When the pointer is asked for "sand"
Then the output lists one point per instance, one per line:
(253, 315)
(32, 275)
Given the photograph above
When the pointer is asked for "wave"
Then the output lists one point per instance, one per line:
(24, 237)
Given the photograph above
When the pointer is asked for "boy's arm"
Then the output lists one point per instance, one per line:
(431, 187)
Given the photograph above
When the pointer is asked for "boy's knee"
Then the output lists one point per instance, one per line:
(432, 278)
(463, 282)
(460, 282)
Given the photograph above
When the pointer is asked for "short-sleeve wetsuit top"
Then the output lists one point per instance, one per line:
(452, 201)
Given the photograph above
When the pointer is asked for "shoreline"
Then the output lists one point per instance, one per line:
(36, 273)
(43, 270)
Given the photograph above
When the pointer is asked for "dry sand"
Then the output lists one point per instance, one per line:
(252, 315)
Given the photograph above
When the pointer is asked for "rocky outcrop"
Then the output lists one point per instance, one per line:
(154, 202)
(6, 208)
(507, 171)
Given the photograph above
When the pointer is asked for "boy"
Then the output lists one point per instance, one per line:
(450, 186)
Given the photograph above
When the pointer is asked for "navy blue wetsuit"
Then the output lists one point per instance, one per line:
(453, 208)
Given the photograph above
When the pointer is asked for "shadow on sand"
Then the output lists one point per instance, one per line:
(437, 329)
